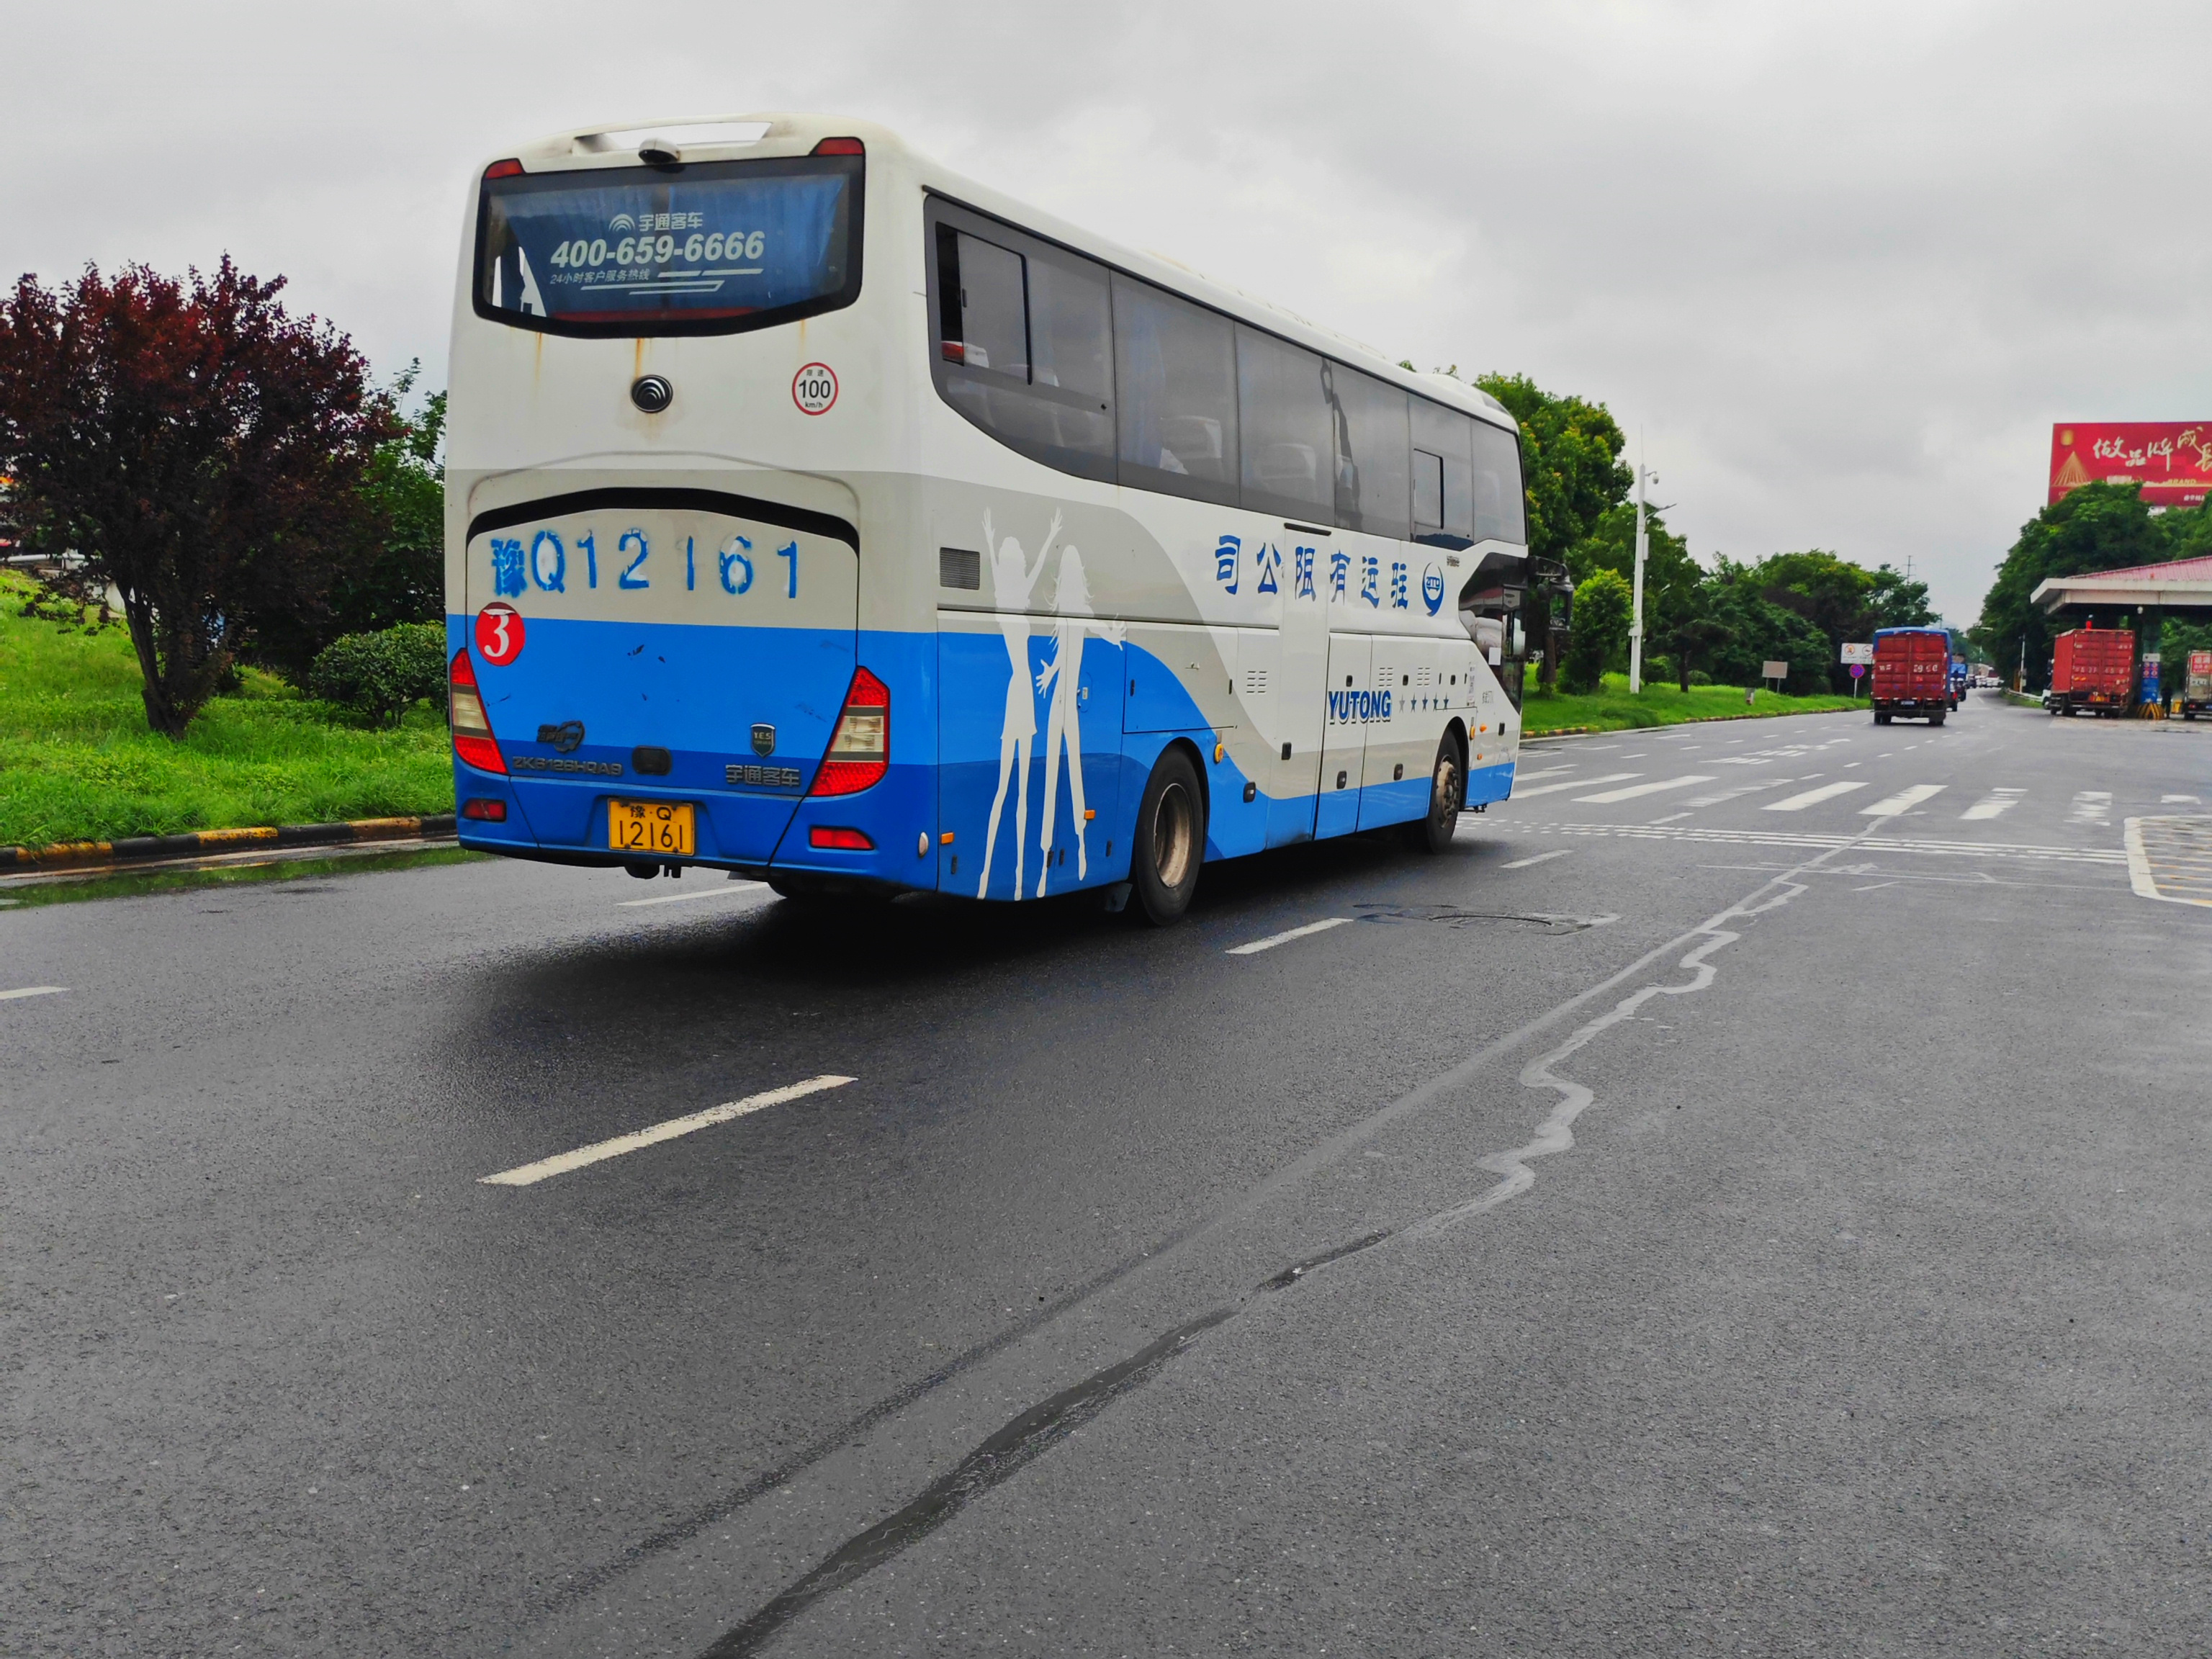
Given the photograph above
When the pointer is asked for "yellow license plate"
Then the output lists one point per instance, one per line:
(652, 826)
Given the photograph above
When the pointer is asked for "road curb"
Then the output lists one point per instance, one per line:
(132, 849)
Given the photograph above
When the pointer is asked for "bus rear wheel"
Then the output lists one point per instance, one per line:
(1432, 833)
(1170, 841)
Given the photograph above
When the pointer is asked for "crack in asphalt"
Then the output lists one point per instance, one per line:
(1022, 1441)
(1035, 1431)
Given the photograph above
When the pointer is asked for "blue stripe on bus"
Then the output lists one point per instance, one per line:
(944, 776)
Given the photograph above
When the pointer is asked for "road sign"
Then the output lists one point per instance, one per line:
(1858, 669)
(1858, 654)
(1774, 671)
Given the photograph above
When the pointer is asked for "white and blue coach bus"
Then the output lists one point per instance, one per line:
(817, 514)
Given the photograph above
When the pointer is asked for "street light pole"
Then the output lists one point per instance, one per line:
(1643, 549)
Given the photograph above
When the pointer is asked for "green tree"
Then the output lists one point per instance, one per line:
(2099, 527)
(396, 571)
(1600, 629)
(1569, 451)
(189, 446)
(1572, 473)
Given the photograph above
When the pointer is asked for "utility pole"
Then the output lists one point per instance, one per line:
(1642, 550)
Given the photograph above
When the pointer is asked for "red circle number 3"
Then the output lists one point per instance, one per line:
(498, 634)
(814, 388)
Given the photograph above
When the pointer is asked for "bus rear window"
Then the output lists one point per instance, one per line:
(709, 248)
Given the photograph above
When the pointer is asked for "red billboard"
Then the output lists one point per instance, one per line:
(2171, 459)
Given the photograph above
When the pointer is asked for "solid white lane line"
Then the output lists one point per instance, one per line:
(530, 1173)
(1273, 939)
(1813, 797)
(1583, 783)
(1522, 863)
(1902, 801)
(33, 991)
(1998, 802)
(711, 892)
(1635, 790)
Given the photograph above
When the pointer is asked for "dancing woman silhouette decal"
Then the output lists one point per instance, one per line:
(1060, 681)
(1013, 580)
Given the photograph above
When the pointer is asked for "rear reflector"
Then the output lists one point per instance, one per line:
(503, 170)
(860, 748)
(840, 147)
(472, 738)
(843, 841)
(490, 811)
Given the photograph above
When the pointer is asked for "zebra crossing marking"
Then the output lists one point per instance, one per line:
(1813, 797)
(1635, 790)
(1902, 801)
(1996, 804)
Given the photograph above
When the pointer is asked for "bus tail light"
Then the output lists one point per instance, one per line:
(840, 147)
(472, 738)
(507, 169)
(839, 840)
(860, 748)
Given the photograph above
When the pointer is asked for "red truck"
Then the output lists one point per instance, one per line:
(2196, 689)
(2094, 669)
(1912, 674)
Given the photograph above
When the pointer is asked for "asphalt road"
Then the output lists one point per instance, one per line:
(1739, 1213)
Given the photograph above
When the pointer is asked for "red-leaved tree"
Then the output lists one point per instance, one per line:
(190, 445)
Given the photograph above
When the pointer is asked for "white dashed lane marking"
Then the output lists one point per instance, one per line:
(1635, 790)
(529, 1175)
(710, 892)
(1813, 797)
(1580, 783)
(1902, 801)
(33, 991)
(1273, 939)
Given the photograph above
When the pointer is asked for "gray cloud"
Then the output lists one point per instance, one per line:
(1842, 266)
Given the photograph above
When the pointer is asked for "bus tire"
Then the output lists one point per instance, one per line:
(1170, 841)
(1432, 831)
(1882, 717)
(1936, 719)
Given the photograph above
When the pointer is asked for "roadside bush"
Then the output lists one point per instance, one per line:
(1599, 632)
(1657, 670)
(379, 676)
(1699, 676)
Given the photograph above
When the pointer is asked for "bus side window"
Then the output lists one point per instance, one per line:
(1443, 475)
(1177, 372)
(1374, 459)
(985, 292)
(1026, 348)
(1288, 450)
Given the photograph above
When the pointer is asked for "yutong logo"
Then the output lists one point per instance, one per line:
(1358, 707)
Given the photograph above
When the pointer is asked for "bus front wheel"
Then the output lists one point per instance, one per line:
(1433, 832)
(1170, 841)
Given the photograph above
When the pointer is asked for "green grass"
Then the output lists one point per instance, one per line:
(1611, 709)
(78, 763)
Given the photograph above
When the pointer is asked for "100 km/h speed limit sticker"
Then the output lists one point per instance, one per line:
(814, 388)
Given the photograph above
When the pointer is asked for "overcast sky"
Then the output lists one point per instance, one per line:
(1842, 266)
